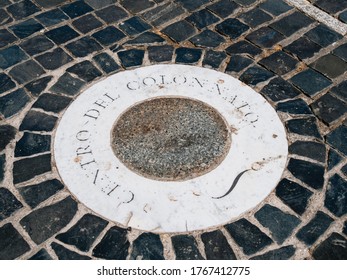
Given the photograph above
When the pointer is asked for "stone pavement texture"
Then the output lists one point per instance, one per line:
(50, 50)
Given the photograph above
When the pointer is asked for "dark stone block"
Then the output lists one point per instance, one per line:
(86, 23)
(313, 150)
(67, 85)
(50, 3)
(343, 16)
(293, 195)
(12, 244)
(232, 28)
(13, 102)
(5, 17)
(136, 6)
(323, 36)
(31, 144)
(275, 7)
(243, 47)
(279, 62)
(223, 8)
(43, 223)
(213, 59)
(255, 17)
(179, 31)
(279, 223)
(188, 55)
(8, 203)
(336, 198)
(337, 139)
(37, 121)
(22, 9)
(333, 248)
(333, 159)
(255, 75)
(344, 170)
(28, 168)
(284, 253)
(160, 53)
(341, 52)
(315, 228)
(6, 83)
(7, 134)
(4, 3)
(76, 9)
(163, 14)
(26, 28)
(303, 48)
(208, 39)
(130, 58)
(310, 82)
(83, 47)
(36, 45)
(185, 248)
(192, 5)
(6, 38)
(249, 237)
(295, 107)
(83, 234)
(330, 65)
(106, 63)
(98, 4)
(134, 25)
(331, 6)
(245, 2)
(52, 17)
(38, 86)
(111, 14)
(65, 254)
(85, 70)
(113, 246)
(54, 59)
(108, 35)
(217, 246)
(292, 23)
(35, 194)
(62, 34)
(202, 18)
(26, 72)
(41, 255)
(237, 63)
(147, 247)
(146, 38)
(265, 37)
(11, 56)
(52, 103)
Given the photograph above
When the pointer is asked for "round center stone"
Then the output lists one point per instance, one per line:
(171, 138)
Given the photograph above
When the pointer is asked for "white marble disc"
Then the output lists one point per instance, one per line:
(94, 175)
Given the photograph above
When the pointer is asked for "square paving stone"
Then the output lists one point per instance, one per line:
(113, 246)
(315, 228)
(309, 149)
(13, 102)
(111, 14)
(278, 89)
(83, 234)
(293, 195)
(8, 204)
(284, 253)
(62, 34)
(275, 7)
(279, 223)
(294, 107)
(329, 108)
(41, 255)
(52, 17)
(255, 75)
(6, 83)
(303, 48)
(11, 56)
(54, 59)
(179, 31)
(43, 223)
(28, 168)
(26, 28)
(323, 35)
(305, 126)
(52, 103)
(185, 247)
(341, 52)
(22, 9)
(37, 121)
(336, 198)
(38, 86)
(136, 6)
(146, 38)
(249, 237)
(134, 25)
(26, 72)
(35, 194)
(217, 246)
(160, 53)
(86, 23)
(331, 6)
(85, 70)
(36, 45)
(7, 134)
(83, 47)
(130, 58)
(292, 23)
(232, 28)
(255, 17)
(213, 59)
(337, 139)
(192, 5)
(6, 38)
(65, 254)
(32, 143)
(76, 9)
(310, 82)
(106, 63)
(223, 8)
(279, 62)
(333, 248)
(12, 244)
(243, 47)
(202, 18)
(68, 85)
(208, 39)
(188, 55)
(147, 246)
(265, 37)
(237, 63)
(163, 14)
(330, 65)
(98, 4)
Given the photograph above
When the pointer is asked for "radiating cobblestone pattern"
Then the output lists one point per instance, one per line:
(51, 50)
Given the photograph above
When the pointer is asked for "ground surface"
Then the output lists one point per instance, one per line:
(50, 50)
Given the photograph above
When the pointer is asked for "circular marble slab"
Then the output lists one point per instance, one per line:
(226, 138)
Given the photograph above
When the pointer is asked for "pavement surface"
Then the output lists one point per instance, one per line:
(296, 57)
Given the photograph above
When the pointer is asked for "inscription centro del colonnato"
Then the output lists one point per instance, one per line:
(247, 170)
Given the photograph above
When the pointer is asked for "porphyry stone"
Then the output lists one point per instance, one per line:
(37, 121)
(31, 144)
(8, 204)
(52, 103)
(186, 248)
(7, 134)
(12, 244)
(336, 198)
(313, 150)
(65, 254)
(217, 246)
(333, 248)
(147, 247)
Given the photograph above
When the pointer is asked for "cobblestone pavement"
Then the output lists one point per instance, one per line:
(50, 50)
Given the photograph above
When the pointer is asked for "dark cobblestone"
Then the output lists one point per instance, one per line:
(130, 58)
(43, 223)
(237, 63)
(6, 38)
(232, 28)
(313, 150)
(76, 9)
(341, 52)
(41, 255)
(223, 8)
(186, 248)
(208, 39)
(5, 17)
(85, 70)
(113, 246)
(136, 6)
(255, 17)
(26, 72)
(83, 234)
(111, 14)
(284, 253)
(293, 195)
(108, 35)
(146, 38)
(6, 83)
(36, 45)
(147, 247)
(67, 85)
(12, 244)
(315, 228)
(303, 48)
(22, 9)
(202, 18)
(52, 103)
(98, 4)
(13, 102)
(249, 237)
(322, 35)
(26, 28)
(11, 56)
(330, 65)
(86, 23)
(333, 159)
(7, 134)
(9, 204)
(65, 254)
(37, 121)
(336, 138)
(213, 59)
(35, 194)
(255, 75)
(304, 126)
(333, 248)
(243, 47)
(31, 144)
(217, 246)
(62, 34)
(279, 63)
(265, 37)
(336, 199)
(54, 59)
(134, 25)
(83, 47)
(160, 53)
(279, 89)
(188, 55)
(275, 7)
(192, 5)
(106, 63)
(38, 86)
(164, 13)
(179, 31)
(52, 17)
(294, 107)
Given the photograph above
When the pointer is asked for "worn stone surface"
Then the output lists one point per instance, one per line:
(54, 59)
(186, 248)
(278, 89)
(37, 121)
(8, 204)
(313, 150)
(67, 85)
(7, 134)
(31, 144)
(294, 107)
(13, 102)
(336, 139)
(217, 247)
(65, 254)
(38, 86)
(330, 65)
(336, 198)
(52, 103)
(279, 62)
(305, 126)
(147, 247)
(283, 253)
(333, 248)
